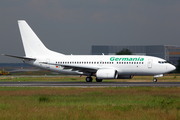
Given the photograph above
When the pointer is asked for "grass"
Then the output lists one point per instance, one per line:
(166, 78)
(90, 103)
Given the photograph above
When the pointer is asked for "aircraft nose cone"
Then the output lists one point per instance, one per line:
(172, 67)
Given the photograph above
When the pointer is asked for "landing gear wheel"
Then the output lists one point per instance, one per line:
(88, 79)
(98, 80)
(154, 80)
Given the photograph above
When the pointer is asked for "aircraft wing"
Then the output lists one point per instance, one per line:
(74, 68)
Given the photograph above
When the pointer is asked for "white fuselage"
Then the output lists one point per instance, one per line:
(124, 64)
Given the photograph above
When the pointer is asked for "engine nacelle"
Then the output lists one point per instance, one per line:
(106, 74)
(124, 77)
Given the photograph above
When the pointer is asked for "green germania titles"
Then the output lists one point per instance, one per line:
(126, 59)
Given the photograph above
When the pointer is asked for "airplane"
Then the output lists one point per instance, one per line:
(100, 66)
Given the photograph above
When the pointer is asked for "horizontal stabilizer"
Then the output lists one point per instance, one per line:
(20, 57)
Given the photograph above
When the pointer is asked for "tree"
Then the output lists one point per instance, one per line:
(124, 52)
(178, 66)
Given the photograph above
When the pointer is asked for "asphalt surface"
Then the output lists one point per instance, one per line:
(92, 84)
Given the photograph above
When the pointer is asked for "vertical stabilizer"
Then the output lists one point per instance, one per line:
(32, 44)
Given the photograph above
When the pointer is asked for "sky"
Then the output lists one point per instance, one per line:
(73, 26)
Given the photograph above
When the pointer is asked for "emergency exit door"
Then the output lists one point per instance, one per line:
(150, 63)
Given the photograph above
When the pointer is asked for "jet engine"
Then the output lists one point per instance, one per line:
(106, 74)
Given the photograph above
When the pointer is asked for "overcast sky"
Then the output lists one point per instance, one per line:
(73, 26)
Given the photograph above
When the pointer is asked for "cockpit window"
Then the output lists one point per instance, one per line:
(162, 62)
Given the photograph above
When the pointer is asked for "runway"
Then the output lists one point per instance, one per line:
(92, 84)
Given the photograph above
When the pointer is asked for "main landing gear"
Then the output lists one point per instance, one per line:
(89, 79)
(98, 80)
(154, 80)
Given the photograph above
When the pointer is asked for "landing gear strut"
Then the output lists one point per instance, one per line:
(154, 80)
(89, 79)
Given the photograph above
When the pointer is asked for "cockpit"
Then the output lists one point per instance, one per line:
(162, 62)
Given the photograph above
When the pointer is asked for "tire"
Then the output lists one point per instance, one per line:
(88, 79)
(154, 80)
(98, 80)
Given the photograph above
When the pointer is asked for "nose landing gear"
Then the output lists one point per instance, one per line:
(154, 80)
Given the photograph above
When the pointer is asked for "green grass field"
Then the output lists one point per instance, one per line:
(41, 103)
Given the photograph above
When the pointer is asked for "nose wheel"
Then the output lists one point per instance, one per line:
(154, 80)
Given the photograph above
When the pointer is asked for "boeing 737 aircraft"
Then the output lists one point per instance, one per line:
(100, 66)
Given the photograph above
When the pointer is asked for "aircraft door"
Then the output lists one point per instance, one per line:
(150, 63)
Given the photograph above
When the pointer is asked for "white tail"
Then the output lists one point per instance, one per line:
(32, 44)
